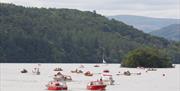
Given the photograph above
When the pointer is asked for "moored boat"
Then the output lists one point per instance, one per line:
(24, 71)
(96, 66)
(127, 73)
(107, 79)
(88, 73)
(77, 71)
(61, 77)
(58, 69)
(106, 71)
(151, 69)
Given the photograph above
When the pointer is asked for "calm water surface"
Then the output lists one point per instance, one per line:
(12, 80)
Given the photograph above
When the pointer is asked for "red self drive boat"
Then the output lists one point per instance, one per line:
(96, 85)
(106, 71)
(56, 85)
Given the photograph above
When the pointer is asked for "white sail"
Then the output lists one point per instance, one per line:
(104, 61)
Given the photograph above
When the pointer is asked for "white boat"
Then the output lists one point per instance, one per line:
(107, 79)
(62, 77)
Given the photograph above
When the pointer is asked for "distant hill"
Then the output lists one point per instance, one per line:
(69, 36)
(171, 32)
(146, 24)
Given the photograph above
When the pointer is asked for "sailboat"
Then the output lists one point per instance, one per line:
(103, 56)
(104, 62)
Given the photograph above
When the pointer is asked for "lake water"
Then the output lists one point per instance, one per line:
(12, 80)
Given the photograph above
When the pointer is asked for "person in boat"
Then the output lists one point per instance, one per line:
(24, 70)
(79, 71)
(67, 78)
(76, 70)
(35, 69)
(111, 80)
(91, 83)
(163, 74)
(101, 81)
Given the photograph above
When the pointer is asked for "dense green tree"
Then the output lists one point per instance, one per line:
(68, 35)
(147, 57)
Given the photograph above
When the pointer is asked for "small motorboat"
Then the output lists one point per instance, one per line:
(56, 85)
(127, 73)
(80, 71)
(58, 69)
(96, 85)
(139, 67)
(77, 71)
(151, 69)
(73, 71)
(36, 71)
(107, 79)
(58, 77)
(106, 71)
(96, 66)
(67, 78)
(24, 71)
(88, 73)
(62, 78)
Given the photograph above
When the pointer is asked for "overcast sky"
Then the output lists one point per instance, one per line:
(152, 8)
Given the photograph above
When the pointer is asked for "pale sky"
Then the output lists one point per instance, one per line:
(151, 8)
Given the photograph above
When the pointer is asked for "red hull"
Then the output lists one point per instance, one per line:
(57, 88)
(106, 71)
(98, 87)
